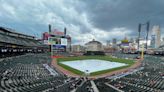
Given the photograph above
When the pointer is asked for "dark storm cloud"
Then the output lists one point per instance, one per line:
(106, 14)
(84, 19)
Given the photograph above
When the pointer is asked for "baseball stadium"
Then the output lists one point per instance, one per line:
(81, 46)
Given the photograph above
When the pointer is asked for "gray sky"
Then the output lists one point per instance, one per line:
(85, 19)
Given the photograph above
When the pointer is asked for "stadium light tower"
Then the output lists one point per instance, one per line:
(139, 31)
(51, 46)
(147, 35)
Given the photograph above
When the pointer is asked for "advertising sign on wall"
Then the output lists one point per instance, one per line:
(59, 47)
(57, 33)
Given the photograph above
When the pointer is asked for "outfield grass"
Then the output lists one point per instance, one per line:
(107, 58)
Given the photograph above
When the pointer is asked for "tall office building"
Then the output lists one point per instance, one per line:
(163, 39)
(153, 41)
(157, 33)
(114, 41)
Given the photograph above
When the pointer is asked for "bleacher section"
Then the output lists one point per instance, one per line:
(27, 73)
(148, 79)
(13, 43)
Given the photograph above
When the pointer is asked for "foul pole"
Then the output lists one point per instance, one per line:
(142, 53)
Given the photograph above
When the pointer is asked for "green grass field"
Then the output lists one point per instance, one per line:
(108, 58)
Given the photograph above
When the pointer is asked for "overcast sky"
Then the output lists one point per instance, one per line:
(84, 19)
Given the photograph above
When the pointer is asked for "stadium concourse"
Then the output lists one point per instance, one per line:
(25, 66)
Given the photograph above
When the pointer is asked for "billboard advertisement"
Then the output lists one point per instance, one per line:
(56, 32)
(59, 47)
